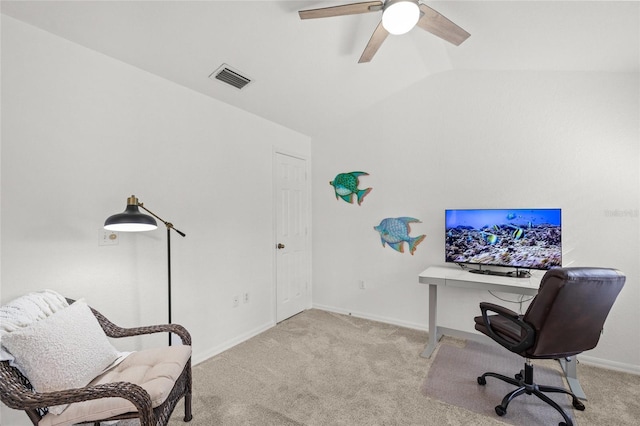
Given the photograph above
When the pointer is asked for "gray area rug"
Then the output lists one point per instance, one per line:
(452, 378)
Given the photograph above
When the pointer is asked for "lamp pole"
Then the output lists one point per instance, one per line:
(169, 227)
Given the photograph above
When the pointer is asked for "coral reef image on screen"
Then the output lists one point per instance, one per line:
(521, 238)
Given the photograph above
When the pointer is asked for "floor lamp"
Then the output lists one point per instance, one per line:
(132, 220)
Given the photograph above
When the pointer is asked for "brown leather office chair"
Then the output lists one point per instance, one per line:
(565, 318)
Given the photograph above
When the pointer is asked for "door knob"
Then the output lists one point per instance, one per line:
(280, 246)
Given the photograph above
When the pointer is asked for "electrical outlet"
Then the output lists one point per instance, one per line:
(108, 238)
(236, 301)
(245, 297)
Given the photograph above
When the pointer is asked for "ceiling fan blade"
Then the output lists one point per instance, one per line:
(347, 9)
(440, 26)
(378, 36)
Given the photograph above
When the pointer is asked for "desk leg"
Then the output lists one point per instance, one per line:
(433, 326)
(570, 373)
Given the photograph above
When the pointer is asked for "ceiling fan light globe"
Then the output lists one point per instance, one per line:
(399, 17)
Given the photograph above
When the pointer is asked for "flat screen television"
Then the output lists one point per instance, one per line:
(519, 238)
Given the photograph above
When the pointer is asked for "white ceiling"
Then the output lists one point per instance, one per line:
(305, 73)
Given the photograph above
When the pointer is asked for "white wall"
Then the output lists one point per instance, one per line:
(482, 140)
(81, 132)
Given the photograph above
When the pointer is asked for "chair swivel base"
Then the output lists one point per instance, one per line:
(525, 385)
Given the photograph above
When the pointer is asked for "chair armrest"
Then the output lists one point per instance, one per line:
(112, 330)
(17, 395)
(500, 310)
(526, 341)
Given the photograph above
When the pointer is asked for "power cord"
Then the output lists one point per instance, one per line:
(521, 300)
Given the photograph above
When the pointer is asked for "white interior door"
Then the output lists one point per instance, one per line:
(292, 266)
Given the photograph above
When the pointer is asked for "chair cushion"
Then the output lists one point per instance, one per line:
(155, 370)
(501, 326)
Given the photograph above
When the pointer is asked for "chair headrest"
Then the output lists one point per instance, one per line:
(582, 273)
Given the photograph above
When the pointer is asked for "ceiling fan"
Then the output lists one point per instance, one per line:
(398, 17)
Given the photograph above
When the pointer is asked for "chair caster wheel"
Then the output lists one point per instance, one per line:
(578, 405)
(500, 411)
(482, 381)
(518, 376)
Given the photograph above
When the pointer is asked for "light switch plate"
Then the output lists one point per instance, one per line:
(108, 238)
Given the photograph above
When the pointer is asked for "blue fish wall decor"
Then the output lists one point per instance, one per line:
(346, 185)
(395, 232)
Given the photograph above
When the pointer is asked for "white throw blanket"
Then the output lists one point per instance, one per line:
(26, 310)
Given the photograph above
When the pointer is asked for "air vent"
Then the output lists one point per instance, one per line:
(228, 75)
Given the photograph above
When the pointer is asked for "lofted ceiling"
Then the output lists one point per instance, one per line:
(305, 74)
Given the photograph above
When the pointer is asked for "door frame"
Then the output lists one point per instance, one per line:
(274, 281)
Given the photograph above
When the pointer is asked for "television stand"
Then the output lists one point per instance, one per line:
(518, 273)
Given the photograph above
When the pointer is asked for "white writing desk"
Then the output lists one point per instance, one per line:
(437, 276)
(442, 276)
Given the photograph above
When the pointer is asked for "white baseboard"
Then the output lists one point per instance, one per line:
(585, 359)
(609, 365)
(200, 357)
(363, 315)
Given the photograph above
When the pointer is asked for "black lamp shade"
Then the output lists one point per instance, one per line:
(130, 220)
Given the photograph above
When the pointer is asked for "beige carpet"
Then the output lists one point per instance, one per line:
(320, 368)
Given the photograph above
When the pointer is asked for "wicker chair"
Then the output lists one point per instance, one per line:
(16, 392)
